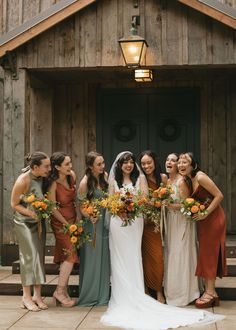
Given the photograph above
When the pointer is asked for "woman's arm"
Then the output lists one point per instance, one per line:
(211, 187)
(52, 196)
(20, 188)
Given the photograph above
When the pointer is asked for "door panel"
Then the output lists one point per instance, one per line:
(164, 120)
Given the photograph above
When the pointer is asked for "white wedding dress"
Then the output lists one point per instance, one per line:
(129, 307)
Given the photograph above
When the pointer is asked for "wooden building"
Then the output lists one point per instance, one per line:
(64, 85)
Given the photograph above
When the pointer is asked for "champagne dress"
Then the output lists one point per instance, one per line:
(152, 253)
(31, 240)
(64, 249)
(94, 286)
(180, 283)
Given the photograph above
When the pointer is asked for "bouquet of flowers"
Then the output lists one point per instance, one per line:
(163, 192)
(93, 209)
(77, 234)
(191, 207)
(151, 209)
(125, 205)
(43, 207)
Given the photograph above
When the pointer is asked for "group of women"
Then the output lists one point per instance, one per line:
(131, 258)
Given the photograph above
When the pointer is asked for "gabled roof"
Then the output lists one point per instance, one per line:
(215, 9)
(41, 23)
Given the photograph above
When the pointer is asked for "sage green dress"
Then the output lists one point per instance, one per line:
(94, 282)
(31, 242)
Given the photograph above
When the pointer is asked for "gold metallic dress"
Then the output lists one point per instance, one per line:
(31, 243)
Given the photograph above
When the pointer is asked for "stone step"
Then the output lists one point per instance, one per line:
(10, 284)
(50, 267)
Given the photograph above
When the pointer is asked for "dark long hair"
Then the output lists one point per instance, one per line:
(92, 182)
(195, 165)
(118, 171)
(157, 171)
(57, 159)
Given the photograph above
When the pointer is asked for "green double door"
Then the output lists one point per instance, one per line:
(164, 120)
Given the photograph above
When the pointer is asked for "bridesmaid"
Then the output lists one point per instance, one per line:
(211, 229)
(180, 244)
(94, 287)
(62, 189)
(153, 264)
(26, 225)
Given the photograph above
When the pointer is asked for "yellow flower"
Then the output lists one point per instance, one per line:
(73, 239)
(30, 198)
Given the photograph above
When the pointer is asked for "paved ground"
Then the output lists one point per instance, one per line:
(55, 318)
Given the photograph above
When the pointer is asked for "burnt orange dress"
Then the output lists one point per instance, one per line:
(152, 253)
(211, 236)
(64, 248)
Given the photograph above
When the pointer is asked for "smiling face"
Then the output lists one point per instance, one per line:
(127, 166)
(171, 163)
(98, 166)
(147, 164)
(184, 165)
(65, 167)
(42, 169)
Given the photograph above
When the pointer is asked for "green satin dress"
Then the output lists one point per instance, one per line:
(31, 243)
(94, 282)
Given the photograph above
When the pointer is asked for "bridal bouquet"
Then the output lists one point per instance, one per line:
(151, 209)
(77, 234)
(125, 205)
(43, 207)
(191, 207)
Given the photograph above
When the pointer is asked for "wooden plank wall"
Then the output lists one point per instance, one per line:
(13, 143)
(1, 151)
(176, 35)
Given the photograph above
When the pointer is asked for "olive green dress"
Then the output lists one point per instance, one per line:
(94, 285)
(31, 242)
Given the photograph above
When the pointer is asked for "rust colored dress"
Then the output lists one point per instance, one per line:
(64, 248)
(211, 236)
(152, 253)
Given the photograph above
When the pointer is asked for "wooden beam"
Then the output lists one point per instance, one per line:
(214, 9)
(41, 23)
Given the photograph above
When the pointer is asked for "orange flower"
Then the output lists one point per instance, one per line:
(73, 239)
(89, 210)
(189, 200)
(162, 191)
(194, 209)
(130, 207)
(202, 207)
(44, 206)
(37, 204)
(157, 204)
(80, 230)
(30, 198)
(72, 228)
(155, 193)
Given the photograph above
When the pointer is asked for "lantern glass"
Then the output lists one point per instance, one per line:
(143, 75)
(133, 50)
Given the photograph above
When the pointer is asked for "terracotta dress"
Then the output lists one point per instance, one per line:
(211, 236)
(64, 248)
(152, 254)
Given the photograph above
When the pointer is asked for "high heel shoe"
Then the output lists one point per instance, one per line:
(40, 303)
(30, 305)
(61, 299)
(207, 300)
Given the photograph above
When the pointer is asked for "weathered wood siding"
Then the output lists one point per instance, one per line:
(176, 34)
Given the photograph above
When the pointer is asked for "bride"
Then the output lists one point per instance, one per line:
(129, 307)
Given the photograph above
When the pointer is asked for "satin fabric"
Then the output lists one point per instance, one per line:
(94, 286)
(152, 252)
(211, 236)
(31, 244)
(64, 249)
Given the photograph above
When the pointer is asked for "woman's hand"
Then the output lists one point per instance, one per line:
(93, 219)
(32, 214)
(122, 215)
(199, 217)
